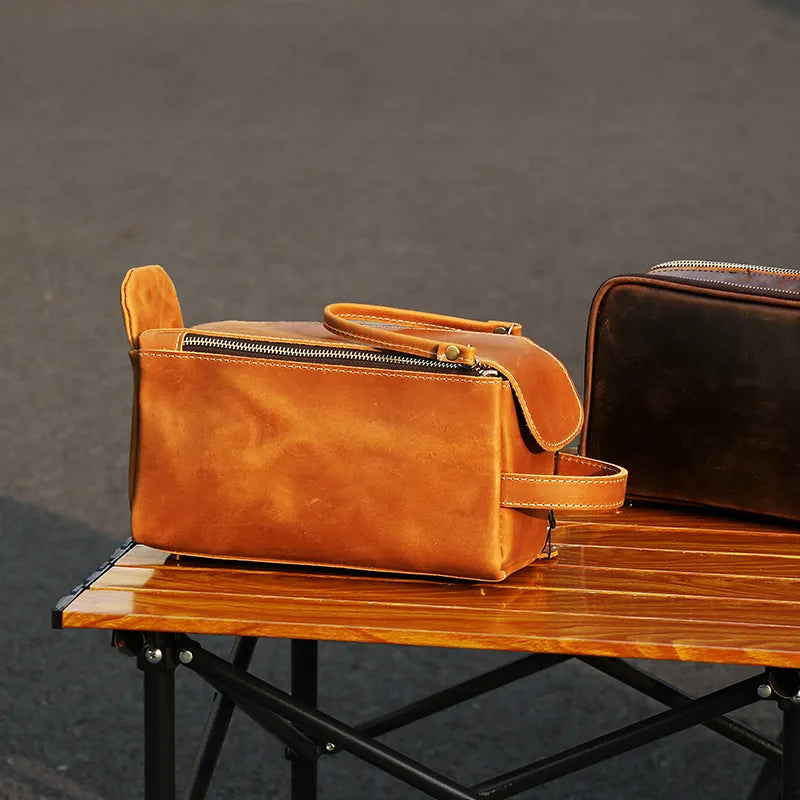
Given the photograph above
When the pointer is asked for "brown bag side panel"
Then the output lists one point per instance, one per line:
(312, 464)
(696, 393)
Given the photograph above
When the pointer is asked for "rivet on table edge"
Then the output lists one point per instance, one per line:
(764, 691)
(185, 656)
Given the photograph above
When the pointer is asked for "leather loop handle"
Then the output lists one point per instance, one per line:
(582, 484)
(347, 319)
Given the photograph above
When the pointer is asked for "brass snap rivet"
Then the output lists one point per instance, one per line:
(499, 329)
(452, 352)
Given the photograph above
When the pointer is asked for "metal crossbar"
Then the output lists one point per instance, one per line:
(621, 741)
(241, 685)
(439, 701)
(217, 726)
(657, 689)
(308, 733)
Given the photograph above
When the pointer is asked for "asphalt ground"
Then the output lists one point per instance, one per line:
(496, 160)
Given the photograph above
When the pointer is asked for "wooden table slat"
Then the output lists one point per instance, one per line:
(702, 541)
(444, 598)
(539, 581)
(654, 517)
(686, 640)
(647, 558)
(641, 584)
(680, 562)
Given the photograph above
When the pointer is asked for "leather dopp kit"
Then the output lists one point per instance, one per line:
(379, 439)
(691, 383)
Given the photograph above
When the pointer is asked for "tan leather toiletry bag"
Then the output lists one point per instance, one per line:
(692, 382)
(381, 439)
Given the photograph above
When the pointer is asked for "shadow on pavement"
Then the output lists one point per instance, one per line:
(53, 692)
(791, 7)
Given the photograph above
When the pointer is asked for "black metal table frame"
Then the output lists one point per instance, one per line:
(310, 734)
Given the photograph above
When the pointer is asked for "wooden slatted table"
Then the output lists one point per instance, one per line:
(638, 583)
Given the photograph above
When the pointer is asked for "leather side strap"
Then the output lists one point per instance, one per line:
(347, 319)
(581, 484)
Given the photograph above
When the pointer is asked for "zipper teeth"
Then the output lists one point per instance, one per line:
(723, 264)
(310, 351)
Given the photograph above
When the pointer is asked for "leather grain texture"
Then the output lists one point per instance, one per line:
(551, 408)
(410, 485)
(694, 387)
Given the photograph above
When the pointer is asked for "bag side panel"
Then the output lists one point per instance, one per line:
(524, 531)
(308, 464)
(134, 356)
(696, 394)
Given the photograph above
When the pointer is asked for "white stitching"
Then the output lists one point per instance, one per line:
(276, 321)
(521, 397)
(611, 469)
(583, 459)
(572, 479)
(501, 535)
(398, 322)
(731, 268)
(478, 380)
(413, 324)
(512, 504)
(741, 286)
(421, 325)
(569, 383)
(580, 460)
(382, 343)
(204, 329)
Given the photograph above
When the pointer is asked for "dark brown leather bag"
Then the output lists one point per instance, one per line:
(692, 382)
(378, 439)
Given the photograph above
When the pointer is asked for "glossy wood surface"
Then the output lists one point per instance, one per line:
(637, 583)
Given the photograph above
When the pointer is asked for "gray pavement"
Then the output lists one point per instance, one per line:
(481, 159)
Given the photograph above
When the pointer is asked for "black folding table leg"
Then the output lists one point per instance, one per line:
(768, 783)
(791, 751)
(217, 727)
(304, 689)
(159, 733)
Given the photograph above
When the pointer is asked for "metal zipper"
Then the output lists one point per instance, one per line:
(748, 269)
(329, 355)
(690, 264)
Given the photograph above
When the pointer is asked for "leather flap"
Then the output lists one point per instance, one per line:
(543, 388)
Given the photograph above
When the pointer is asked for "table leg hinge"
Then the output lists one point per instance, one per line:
(152, 651)
(781, 685)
